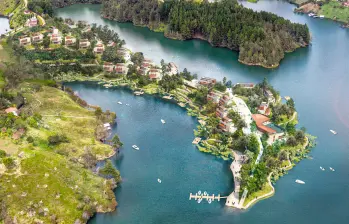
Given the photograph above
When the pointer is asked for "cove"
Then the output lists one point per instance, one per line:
(317, 79)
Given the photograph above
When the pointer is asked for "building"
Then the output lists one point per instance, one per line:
(13, 110)
(208, 82)
(69, 40)
(224, 100)
(147, 63)
(99, 48)
(56, 39)
(221, 112)
(84, 43)
(265, 126)
(173, 69)
(155, 74)
(269, 95)
(245, 85)
(108, 67)
(227, 125)
(192, 84)
(214, 96)
(143, 71)
(125, 53)
(264, 109)
(121, 68)
(37, 37)
(32, 22)
(111, 44)
(24, 41)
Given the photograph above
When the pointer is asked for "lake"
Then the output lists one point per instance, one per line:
(315, 77)
(4, 25)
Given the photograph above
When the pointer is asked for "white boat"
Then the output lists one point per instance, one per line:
(205, 193)
(163, 121)
(159, 180)
(199, 192)
(331, 169)
(300, 182)
(209, 201)
(311, 14)
(135, 147)
(321, 168)
(119, 103)
(333, 132)
(322, 16)
(127, 104)
(199, 200)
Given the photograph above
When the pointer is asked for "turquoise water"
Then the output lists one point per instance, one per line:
(315, 77)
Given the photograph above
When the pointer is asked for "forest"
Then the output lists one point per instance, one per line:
(261, 38)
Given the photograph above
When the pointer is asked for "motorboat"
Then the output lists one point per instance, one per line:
(127, 104)
(209, 201)
(199, 192)
(159, 180)
(331, 169)
(135, 147)
(300, 182)
(333, 132)
(321, 168)
(311, 14)
(199, 200)
(205, 193)
(119, 103)
(163, 121)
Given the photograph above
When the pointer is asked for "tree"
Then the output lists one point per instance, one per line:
(300, 136)
(116, 141)
(291, 141)
(253, 143)
(109, 171)
(291, 104)
(98, 112)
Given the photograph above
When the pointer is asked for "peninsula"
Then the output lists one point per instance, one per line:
(245, 122)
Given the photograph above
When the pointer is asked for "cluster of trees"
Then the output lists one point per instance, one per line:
(106, 34)
(41, 6)
(169, 83)
(260, 37)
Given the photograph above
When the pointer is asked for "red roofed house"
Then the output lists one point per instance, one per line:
(214, 96)
(121, 68)
(24, 41)
(147, 63)
(69, 40)
(227, 125)
(264, 109)
(155, 74)
(108, 67)
(56, 39)
(206, 81)
(265, 126)
(13, 110)
(99, 48)
(84, 43)
(37, 37)
(32, 22)
(246, 85)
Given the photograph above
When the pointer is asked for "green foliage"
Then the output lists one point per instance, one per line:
(2, 153)
(57, 139)
(9, 162)
(260, 37)
(253, 143)
(169, 83)
(116, 141)
(109, 171)
(220, 87)
(41, 6)
(200, 96)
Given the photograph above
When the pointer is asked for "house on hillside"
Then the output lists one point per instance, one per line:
(267, 93)
(192, 84)
(99, 48)
(147, 63)
(265, 126)
(125, 53)
(245, 85)
(69, 40)
(264, 109)
(56, 39)
(155, 74)
(37, 37)
(208, 82)
(214, 96)
(32, 22)
(173, 69)
(227, 125)
(24, 41)
(224, 100)
(108, 67)
(121, 68)
(84, 43)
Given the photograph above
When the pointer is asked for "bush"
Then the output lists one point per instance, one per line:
(9, 162)
(2, 153)
(30, 139)
(57, 139)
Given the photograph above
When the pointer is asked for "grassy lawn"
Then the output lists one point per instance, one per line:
(335, 9)
(48, 180)
(266, 189)
(5, 51)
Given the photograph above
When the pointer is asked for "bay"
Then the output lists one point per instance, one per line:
(315, 77)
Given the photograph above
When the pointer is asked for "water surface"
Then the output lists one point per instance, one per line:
(316, 77)
(4, 25)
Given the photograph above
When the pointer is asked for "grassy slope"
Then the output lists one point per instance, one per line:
(335, 9)
(7, 6)
(70, 180)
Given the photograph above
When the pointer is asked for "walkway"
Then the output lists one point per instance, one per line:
(233, 198)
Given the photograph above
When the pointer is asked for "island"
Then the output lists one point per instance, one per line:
(51, 139)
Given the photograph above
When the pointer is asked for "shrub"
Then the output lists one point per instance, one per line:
(9, 162)
(57, 139)
(2, 153)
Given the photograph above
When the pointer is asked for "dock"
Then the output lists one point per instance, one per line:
(206, 197)
(196, 140)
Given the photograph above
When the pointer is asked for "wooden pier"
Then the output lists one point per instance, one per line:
(206, 197)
